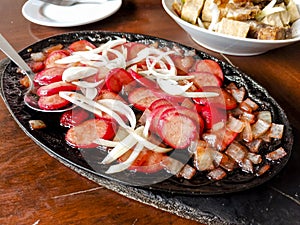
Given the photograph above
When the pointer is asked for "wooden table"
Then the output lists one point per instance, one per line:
(37, 189)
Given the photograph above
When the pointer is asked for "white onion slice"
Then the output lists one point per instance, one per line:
(235, 125)
(121, 148)
(126, 164)
(103, 47)
(137, 134)
(172, 87)
(146, 52)
(268, 10)
(164, 74)
(85, 84)
(92, 106)
(95, 64)
(259, 128)
(119, 61)
(106, 143)
(147, 127)
(78, 72)
(91, 93)
(120, 107)
(191, 94)
(69, 59)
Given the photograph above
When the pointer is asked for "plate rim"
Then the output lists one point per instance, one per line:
(32, 11)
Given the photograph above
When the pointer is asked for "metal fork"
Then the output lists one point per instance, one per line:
(74, 2)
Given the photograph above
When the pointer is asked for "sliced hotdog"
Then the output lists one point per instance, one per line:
(142, 98)
(83, 135)
(73, 117)
(208, 65)
(177, 130)
(203, 79)
(55, 88)
(49, 75)
(52, 102)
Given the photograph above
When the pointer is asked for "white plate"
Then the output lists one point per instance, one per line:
(68, 16)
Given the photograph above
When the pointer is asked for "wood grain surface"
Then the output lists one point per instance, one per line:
(37, 189)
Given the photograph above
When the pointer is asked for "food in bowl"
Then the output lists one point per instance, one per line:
(261, 19)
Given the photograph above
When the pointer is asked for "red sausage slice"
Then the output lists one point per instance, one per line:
(52, 102)
(203, 79)
(55, 88)
(73, 117)
(177, 130)
(117, 78)
(142, 98)
(49, 75)
(83, 135)
(81, 45)
(208, 65)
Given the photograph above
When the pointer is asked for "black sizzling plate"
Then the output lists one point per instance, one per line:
(52, 140)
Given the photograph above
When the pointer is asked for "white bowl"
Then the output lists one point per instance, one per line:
(224, 43)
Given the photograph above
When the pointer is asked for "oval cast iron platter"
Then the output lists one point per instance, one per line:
(52, 139)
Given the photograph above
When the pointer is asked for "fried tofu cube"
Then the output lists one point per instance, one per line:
(191, 10)
(293, 11)
(233, 27)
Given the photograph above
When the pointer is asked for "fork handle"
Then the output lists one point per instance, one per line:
(11, 53)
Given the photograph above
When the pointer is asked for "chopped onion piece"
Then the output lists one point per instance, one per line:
(265, 116)
(254, 158)
(238, 94)
(237, 152)
(276, 130)
(247, 135)
(235, 125)
(259, 128)
(276, 154)
(203, 158)
(78, 72)
(200, 23)
(217, 174)
(215, 14)
(246, 165)
(254, 145)
(263, 170)
(126, 164)
(172, 166)
(247, 117)
(187, 172)
(251, 103)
